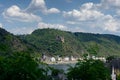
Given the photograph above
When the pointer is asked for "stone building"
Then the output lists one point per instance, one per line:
(60, 38)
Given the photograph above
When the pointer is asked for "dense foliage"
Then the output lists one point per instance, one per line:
(20, 66)
(89, 70)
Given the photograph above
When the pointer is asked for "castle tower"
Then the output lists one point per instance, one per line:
(113, 75)
(60, 38)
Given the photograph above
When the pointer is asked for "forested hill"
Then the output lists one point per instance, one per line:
(10, 43)
(57, 42)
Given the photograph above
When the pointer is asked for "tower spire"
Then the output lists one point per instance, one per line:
(113, 75)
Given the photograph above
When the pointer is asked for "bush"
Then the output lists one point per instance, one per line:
(89, 70)
(20, 66)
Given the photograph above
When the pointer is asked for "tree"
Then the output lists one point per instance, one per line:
(118, 77)
(20, 66)
(55, 73)
(89, 70)
(110, 58)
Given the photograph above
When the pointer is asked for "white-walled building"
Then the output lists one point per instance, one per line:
(113, 75)
(66, 59)
(52, 59)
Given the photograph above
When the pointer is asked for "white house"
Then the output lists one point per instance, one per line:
(52, 59)
(66, 59)
(72, 58)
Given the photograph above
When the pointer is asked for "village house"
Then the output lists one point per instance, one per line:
(52, 59)
(66, 59)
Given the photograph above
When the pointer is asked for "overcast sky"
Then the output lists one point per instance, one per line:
(94, 16)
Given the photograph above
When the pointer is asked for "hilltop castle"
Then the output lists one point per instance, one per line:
(60, 38)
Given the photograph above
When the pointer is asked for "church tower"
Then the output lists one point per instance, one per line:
(113, 75)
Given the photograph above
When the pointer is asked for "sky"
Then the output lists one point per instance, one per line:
(90, 16)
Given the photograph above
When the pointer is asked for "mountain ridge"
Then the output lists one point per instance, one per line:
(76, 43)
(53, 42)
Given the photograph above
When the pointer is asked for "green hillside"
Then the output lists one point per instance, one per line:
(10, 43)
(57, 42)
(49, 41)
(107, 44)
